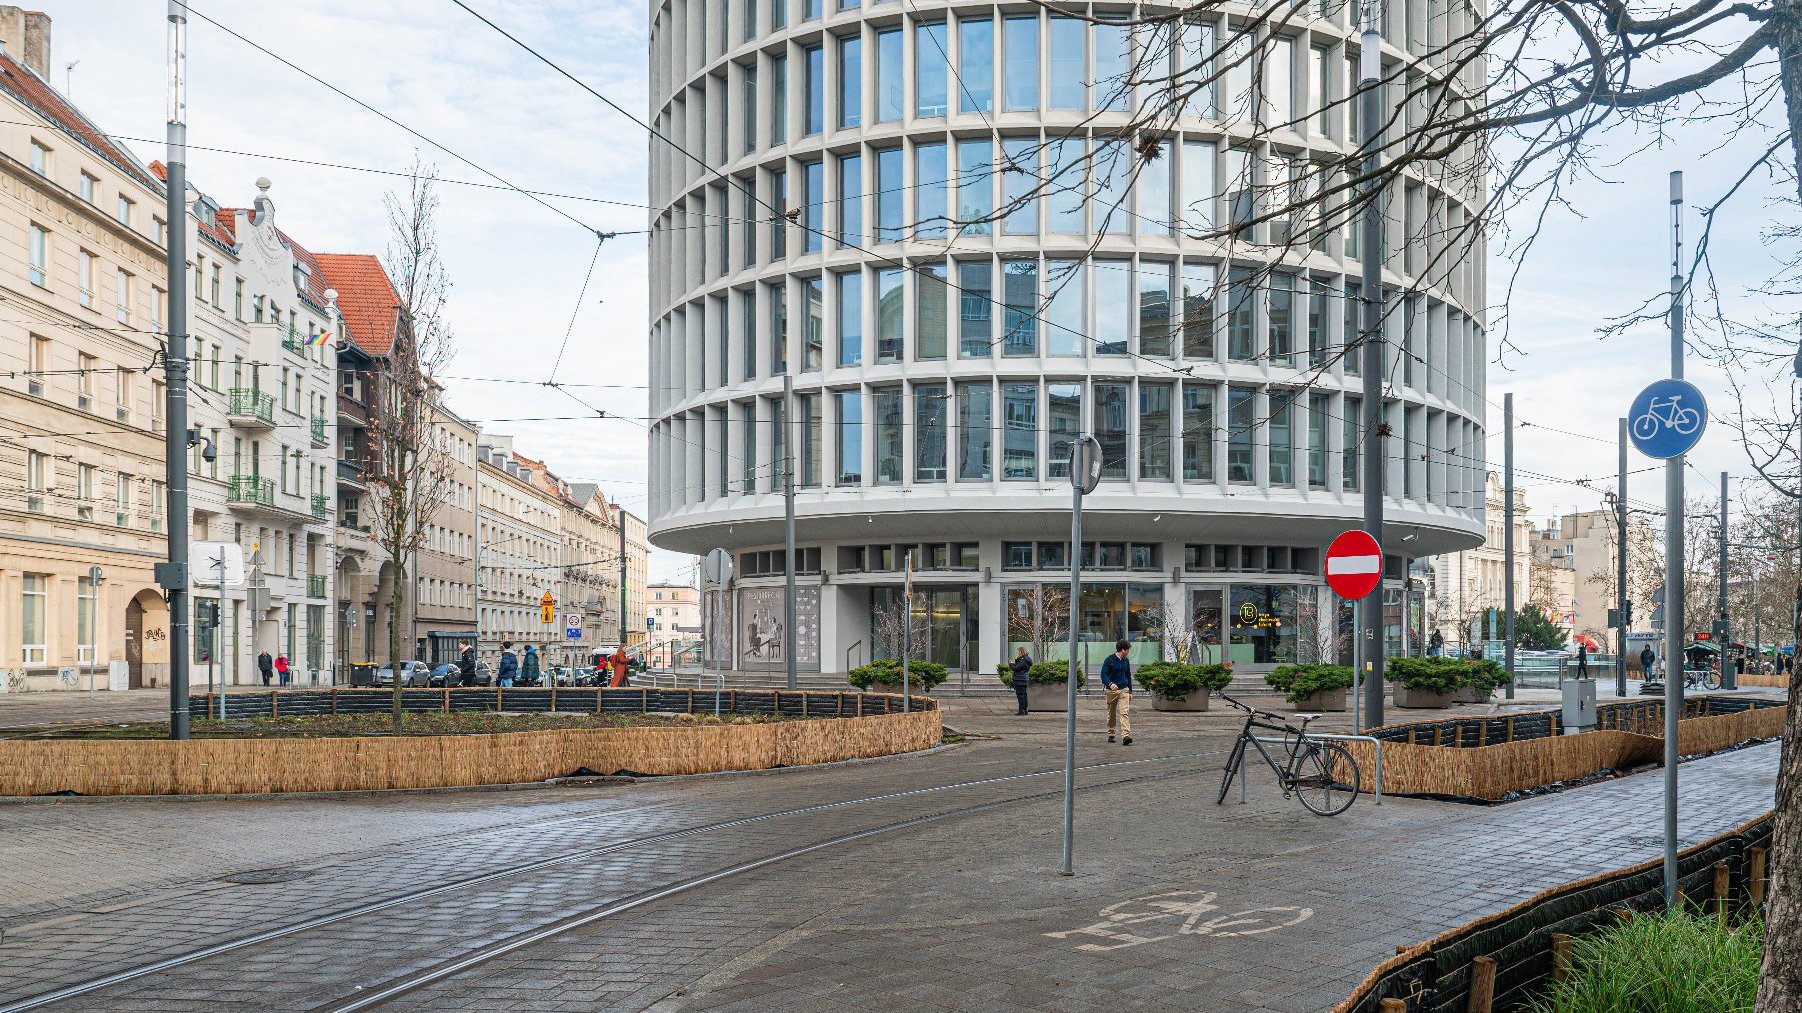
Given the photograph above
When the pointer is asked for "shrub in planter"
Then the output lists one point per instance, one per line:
(1176, 681)
(1299, 682)
(1042, 672)
(1426, 682)
(923, 675)
(1482, 678)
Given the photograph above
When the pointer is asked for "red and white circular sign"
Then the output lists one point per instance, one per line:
(1354, 564)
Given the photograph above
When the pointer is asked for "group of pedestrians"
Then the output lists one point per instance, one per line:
(274, 668)
(530, 670)
(1116, 680)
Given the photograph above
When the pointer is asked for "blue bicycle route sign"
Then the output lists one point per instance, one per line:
(1667, 418)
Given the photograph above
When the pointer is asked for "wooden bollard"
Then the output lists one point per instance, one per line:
(1756, 887)
(1482, 985)
(1392, 1006)
(1560, 956)
(1723, 881)
(1510, 737)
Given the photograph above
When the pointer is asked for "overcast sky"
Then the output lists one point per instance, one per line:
(517, 266)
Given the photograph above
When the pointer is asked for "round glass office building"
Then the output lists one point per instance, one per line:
(971, 267)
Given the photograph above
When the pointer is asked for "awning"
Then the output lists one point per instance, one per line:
(1704, 645)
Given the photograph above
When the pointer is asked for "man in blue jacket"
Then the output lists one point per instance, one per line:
(1117, 676)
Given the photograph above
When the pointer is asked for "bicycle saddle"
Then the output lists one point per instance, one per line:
(1304, 718)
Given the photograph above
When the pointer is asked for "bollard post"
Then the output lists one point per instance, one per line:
(1482, 985)
(1560, 956)
(1755, 888)
(1392, 1006)
(1723, 883)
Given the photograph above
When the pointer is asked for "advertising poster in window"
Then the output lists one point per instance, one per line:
(762, 638)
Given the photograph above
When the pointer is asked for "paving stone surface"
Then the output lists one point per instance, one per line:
(919, 883)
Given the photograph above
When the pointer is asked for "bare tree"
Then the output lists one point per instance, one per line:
(1038, 616)
(889, 627)
(411, 464)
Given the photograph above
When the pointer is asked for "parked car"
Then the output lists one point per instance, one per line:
(453, 674)
(413, 673)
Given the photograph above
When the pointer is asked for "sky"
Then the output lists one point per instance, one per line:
(517, 267)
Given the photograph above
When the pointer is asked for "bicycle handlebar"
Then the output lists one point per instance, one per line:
(1247, 708)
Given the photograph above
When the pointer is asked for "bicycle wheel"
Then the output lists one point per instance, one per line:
(1326, 778)
(1232, 767)
(1711, 681)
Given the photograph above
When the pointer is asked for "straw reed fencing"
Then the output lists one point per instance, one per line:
(1501, 960)
(1493, 757)
(231, 766)
(1764, 681)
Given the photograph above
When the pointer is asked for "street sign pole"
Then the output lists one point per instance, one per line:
(1085, 475)
(716, 568)
(1673, 563)
(907, 635)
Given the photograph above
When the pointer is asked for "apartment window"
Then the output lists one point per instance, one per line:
(850, 201)
(122, 500)
(1198, 432)
(1241, 420)
(37, 478)
(1154, 431)
(85, 475)
(158, 503)
(122, 394)
(89, 187)
(975, 431)
(929, 69)
(850, 318)
(35, 609)
(123, 211)
(87, 366)
(122, 288)
(159, 230)
(157, 298)
(38, 364)
(40, 159)
(850, 438)
(84, 278)
(238, 298)
(216, 281)
(850, 82)
(976, 65)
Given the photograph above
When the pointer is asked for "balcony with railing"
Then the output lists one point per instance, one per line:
(315, 585)
(351, 472)
(250, 408)
(251, 490)
(322, 506)
(292, 341)
(318, 426)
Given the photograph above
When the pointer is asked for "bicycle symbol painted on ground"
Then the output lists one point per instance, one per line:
(1178, 913)
(1667, 413)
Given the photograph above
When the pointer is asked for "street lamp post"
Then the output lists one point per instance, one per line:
(1085, 475)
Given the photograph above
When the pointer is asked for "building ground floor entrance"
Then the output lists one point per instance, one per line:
(945, 623)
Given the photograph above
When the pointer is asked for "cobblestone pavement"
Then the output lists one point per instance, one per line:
(1177, 903)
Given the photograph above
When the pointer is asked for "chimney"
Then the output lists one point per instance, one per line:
(26, 38)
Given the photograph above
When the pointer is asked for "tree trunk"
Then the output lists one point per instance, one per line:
(1780, 984)
(394, 659)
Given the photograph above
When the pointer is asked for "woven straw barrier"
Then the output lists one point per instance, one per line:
(1762, 680)
(1444, 757)
(232, 766)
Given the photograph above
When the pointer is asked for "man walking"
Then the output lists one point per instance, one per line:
(1582, 659)
(1647, 658)
(466, 665)
(266, 667)
(1022, 675)
(509, 665)
(1117, 676)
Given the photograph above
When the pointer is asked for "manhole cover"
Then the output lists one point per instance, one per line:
(260, 877)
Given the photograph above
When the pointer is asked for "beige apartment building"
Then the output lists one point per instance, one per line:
(1576, 555)
(520, 547)
(591, 553)
(1466, 584)
(81, 442)
(638, 572)
(445, 591)
(674, 620)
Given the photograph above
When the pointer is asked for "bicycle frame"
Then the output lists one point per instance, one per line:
(1293, 737)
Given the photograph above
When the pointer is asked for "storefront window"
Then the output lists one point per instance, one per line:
(1263, 624)
(1145, 622)
(1204, 619)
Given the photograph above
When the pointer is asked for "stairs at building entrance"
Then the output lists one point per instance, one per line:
(686, 677)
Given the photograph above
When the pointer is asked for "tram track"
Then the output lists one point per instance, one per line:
(448, 968)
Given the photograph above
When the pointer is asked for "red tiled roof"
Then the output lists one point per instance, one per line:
(316, 285)
(32, 90)
(366, 298)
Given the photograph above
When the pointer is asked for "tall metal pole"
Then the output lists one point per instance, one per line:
(907, 635)
(622, 575)
(1070, 685)
(1370, 63)
(1621, 602)
(1508, 538)
(173, 575)
(1673, 565)
(1721, 627)
(788, 515)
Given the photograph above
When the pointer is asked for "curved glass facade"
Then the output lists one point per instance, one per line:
(973, 270)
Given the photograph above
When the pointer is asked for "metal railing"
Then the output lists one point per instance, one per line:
(318, 426)
(315, 585)
(1375, 742)
(322, 506)
(251, 489)
(250, 402)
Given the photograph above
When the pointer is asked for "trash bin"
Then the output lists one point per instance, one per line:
(363, 674)
(1579, 705)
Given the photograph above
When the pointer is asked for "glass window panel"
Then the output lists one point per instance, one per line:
(890, 195)
(850, 318)
(778, 444)
(888, 410)
(1264, 620)
(1020, 64)
(1241, 315)
(778, 329)
(930, 191)
(1109, 428)
(976, 65)
(1199, 186)
(1020, 431)
(816, 87)
(747, 304)
(850, 201)
(929, 69)
(930, 413)
(1154, 195)
(1065, 190)
(1064, 311)
(778, 99)
(813, 198)
(1113, 306)
(1319, 340)
(1351, 313)
(813, 333)
(1112, 60)
(889, 80)
(1241, 420)
(747, 427)
(1282, 318)
(779, 227)
(975, 431)
(1195, 63)
(975, 186)
(1154, 307)
(1236, 97)
(891, 309)
(750, 108)
(1063, 415)
(809, 409)
(1198, 311)
(1020, 186)
(1353, 425)
(1282, 438)
(1068, 72)
(1317, 409)
(931, 295)
(810, 9)
(1279, 81)
(850, 82)
(975, 309)
(1198, 432)
(1237, 191)
(1154, 431)
(1019, 296)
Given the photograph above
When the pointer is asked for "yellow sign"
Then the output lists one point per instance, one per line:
(547, 608)
(1251, 617)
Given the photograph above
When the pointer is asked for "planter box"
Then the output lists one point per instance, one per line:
(1469, 694)
(1048, 696)
(1325, 700)
(1196, 701)
(1420, 698)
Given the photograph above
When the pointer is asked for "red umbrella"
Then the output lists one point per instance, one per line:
(1587, 640)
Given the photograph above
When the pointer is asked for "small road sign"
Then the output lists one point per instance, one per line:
(716, 566)
(547, 608)
(572, 626)
(1354, 564)
(1667, 418)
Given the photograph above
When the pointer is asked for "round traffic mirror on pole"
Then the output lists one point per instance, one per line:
(1085, 464)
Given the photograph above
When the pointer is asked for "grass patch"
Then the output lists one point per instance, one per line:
(1662, 963)
(431, 723)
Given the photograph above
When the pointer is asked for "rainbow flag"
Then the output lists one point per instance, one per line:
(318, 336)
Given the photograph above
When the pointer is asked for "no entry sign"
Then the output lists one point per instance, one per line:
(1354, 564)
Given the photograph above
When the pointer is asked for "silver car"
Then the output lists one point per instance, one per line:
(413, 673)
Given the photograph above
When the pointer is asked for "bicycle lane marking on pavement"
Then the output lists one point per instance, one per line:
(1119, 921)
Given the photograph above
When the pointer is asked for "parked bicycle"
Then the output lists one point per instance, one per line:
(1319, 773)
(1704, 678)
